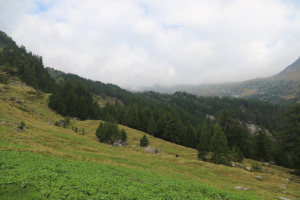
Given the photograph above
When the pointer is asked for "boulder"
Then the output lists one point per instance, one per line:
(267, 164)
(260, 178)
(283, 186)
(151, 150)
(241, 187)
(5, 123)
(17, 129)
(119, 143)
(248, 168)
(282, 198)
(287, 180)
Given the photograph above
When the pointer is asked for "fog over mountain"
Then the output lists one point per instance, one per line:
(142, 43)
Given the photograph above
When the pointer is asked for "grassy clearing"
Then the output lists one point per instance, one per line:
(44, 138)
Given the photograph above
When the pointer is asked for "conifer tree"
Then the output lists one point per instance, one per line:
(152, 127)
(263, 145)
(203, 142)
(290, 134)
(144, 141)
(220, 152)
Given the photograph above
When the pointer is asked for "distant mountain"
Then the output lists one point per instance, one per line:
(282, 88)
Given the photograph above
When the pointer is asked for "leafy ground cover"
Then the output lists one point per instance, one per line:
(56, 178)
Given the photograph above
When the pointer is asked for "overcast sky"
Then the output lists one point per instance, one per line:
(136, 43)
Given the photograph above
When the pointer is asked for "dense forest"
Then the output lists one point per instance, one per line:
(179, 118)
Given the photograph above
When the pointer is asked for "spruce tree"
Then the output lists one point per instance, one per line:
(220, 151)
(152, 127)
(123, 135)
(144, 141)
(290, 134)
(263, 145)
(203, 143)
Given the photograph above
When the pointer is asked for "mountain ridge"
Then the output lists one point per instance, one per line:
(281, 88)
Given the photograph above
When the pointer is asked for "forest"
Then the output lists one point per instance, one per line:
(178, 118)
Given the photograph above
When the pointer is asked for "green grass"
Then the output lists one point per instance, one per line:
(41, 137)
(56, 178)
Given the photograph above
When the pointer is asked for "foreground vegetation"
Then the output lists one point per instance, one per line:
(64, 179)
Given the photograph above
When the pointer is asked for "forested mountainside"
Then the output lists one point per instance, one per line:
(17, 61)
(282, 88)
(190, 107)
(180, 118)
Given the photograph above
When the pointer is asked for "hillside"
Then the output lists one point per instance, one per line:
(282, 88)
(19, 102)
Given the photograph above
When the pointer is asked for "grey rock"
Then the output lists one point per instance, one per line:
(17, 123)
(232, 165)
(283, 186)
(241, 187)
(287, 180)
(260, 178)
(267, 164)
(151, 150)
(119, 143)
(5, 123)
(248, 168)
(282, 198)
(17, 129)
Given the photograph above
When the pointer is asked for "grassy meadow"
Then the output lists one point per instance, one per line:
(179, 176)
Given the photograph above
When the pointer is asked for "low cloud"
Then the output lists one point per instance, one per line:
(142, 43)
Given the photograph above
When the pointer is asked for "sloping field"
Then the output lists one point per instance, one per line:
(131, 165)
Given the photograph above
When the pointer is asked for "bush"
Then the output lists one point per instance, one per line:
(123, 135)
(109, 133)
(22, 125)
(256, 167)
(237, 155)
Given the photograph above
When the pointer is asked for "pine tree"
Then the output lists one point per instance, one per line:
(152, 127)
(144, 141)
(220, 152)
(203, 142)
(290, 134)
(263, 145)
(123, 135)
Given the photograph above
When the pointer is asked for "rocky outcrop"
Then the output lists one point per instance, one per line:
(210, 117)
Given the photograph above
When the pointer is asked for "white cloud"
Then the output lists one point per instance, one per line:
(141, 43)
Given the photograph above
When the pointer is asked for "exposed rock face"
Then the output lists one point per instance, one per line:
(152, 150)
(252, 128)
(210, 117)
